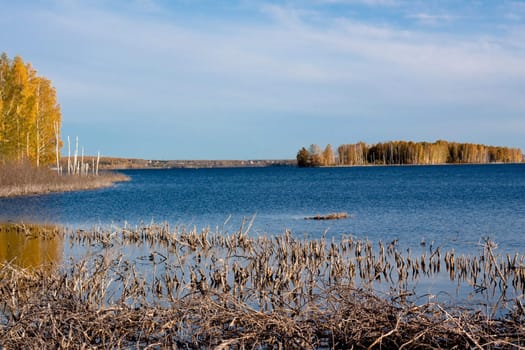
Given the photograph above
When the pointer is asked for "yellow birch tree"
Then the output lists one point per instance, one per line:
(30, 115)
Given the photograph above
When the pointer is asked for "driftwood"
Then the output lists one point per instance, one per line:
(331, 216)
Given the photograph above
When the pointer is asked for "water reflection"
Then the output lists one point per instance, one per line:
(31, 246)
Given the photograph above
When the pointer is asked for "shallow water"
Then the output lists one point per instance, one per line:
(31, 246)
(160, 254)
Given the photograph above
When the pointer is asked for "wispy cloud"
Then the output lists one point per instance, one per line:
(432, 19)
(286, 51)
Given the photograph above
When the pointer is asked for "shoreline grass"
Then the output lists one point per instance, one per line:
(202, 289)
(23, 179)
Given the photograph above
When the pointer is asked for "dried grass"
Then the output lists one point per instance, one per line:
(197, 290)
(21, 178)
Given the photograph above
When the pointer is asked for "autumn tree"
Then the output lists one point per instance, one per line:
(29, 113)
(303, 158)
(353, 154)
(42, 132)
(316, 155)
(328, 156)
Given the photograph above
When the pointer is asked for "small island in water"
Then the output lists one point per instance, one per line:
(407, 153)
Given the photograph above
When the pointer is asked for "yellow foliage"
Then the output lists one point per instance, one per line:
(29, 112)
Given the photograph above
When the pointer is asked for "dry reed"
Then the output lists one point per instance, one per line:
(201, 289)
(22, 178)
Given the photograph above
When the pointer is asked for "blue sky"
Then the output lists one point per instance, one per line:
(249, 79)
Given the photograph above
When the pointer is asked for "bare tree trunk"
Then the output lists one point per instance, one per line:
(27, 145)
(19, 152)
(57, 139)
(98, 160)
(75, 157)
(68, 156)
(37, 145)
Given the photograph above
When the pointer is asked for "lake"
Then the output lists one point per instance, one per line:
(452, 205)
(420, 208)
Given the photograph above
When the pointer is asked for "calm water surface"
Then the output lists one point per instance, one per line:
(450, 205)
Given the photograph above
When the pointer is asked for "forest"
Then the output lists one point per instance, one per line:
(30, 117)
(407, 153)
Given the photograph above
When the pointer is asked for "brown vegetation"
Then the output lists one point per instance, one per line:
(21, 178)
(198, 290)
(331, 216)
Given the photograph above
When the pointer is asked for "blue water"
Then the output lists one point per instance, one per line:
(450, 205)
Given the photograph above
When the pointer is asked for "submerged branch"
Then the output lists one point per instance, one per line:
(331, 216)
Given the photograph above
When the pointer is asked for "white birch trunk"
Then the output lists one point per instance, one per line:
(37, 126)
(75, 158)
(57, 138)
(68, 156)
(98, 160)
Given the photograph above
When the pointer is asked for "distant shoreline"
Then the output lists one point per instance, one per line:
(114, 163)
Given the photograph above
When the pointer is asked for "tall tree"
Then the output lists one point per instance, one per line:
(316, 155)
(303, 158)
(47, 116)
(328, 156)
(29, 113)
